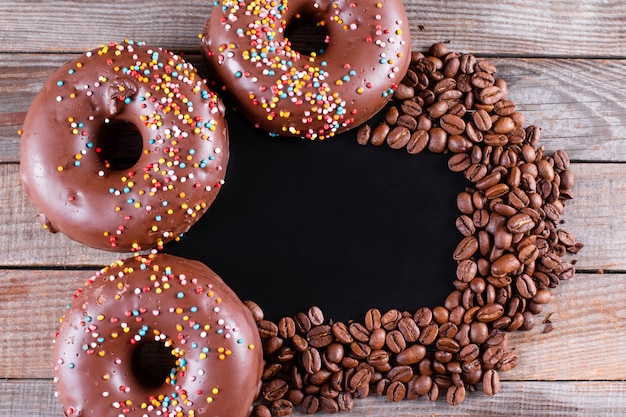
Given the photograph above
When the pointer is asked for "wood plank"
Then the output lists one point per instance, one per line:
(597, 216)
(579, 104)
(36, 398)
(519, 27)
(586, 344)
(24, 242)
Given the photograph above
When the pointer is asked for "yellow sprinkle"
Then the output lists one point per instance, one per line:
(60, 168)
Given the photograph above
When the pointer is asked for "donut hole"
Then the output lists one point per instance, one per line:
(307, 34)
(152, 363)
(120, 144)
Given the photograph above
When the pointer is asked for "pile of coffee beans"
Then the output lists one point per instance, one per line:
(509, 256)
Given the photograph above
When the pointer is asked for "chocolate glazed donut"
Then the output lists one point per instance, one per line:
(124, 148)
(133, 309)
(287, 92)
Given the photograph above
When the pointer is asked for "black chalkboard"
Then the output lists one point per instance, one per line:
(329, 223)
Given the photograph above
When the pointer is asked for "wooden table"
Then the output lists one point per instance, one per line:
(565, 63)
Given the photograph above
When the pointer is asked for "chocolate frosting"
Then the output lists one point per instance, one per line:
(65, 145)
(317, 96)
(177, 302)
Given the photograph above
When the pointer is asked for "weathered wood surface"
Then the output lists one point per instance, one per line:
(579, 104)
(559, 28)
(586, 343)
(565, 64)
(596, 216)
(35, 398)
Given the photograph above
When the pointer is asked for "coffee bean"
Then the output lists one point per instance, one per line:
(398, 137)
(403, 92)
(490, 312)
(465, 249)
(505, 265)
(341, 333)
(455, 395)
(359, 332)
(363, 134)
(408, 122)
(345, 401)
(459, 162)
(267, 329)
(320, 336)
(452, 124)
(438, 140)
(286, 327)
(390, 319)
(418, 141)
(490, 94)
(257, 312)
(491, 382)
(482, 79)
(379, 134)
(274, 390)
(411, 355)
(411, 108)
(409, 329)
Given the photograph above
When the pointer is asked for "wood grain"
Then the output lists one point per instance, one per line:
(587, 313)
(519, 27)
(579, 104)
(565, 65)
(35, 398)
(597, 216)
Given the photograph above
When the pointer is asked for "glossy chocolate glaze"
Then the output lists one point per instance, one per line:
(164, 298)
(315, 96)
(180, 166)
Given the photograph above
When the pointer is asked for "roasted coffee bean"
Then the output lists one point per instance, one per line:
(261, 410)
(286, 327)
(403, 92)
(363, 134)
(455, 395)
(341, 332)
(460, 144)
(345, 401)
(398, 137)
(490, 312)
(482, 79)
(359, 332)
(257, 312)
(491, 382)
(411, 355)
(408, 122)
(359, 378)
(395, 341)
(409, 329)
(465, 225)
(378, 135)
(520, 223)
(411, 108)
(490, 94)
(391, 115)
(452, 124)
(396, 391)
(429, 334)
(274, 389)
(328, 405)
(320, 336)
(378, 338)
(390, 319)
(418, 141)
(267, 329)
(303, 323)
(465, 249)
(438, 140)
(316, 316)
(459, 162)
(482, 120)
(505, 265)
